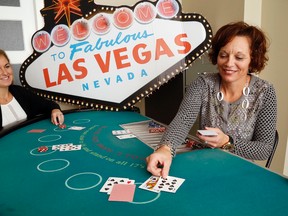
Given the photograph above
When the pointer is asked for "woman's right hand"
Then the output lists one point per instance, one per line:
(159, 162)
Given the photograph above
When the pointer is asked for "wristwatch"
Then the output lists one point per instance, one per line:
(172, 150)
(229, 146)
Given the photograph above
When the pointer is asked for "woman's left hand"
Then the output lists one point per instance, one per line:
(214, 141)
(57, 117)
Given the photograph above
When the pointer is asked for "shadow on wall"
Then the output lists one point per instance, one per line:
(16, 69)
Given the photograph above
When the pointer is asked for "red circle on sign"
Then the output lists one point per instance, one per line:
(80, 29)
(145, 12)
(60, 35)
(41, 41)
(123, 18)
(101, 24)
(167, 8)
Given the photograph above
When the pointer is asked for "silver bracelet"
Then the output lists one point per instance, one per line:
(172, 150)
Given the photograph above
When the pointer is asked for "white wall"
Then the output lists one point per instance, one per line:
(26, 14)
(274, 22)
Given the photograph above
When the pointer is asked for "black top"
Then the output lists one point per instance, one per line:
(31, 103)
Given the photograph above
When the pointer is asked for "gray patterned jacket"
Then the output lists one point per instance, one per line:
(253, 128)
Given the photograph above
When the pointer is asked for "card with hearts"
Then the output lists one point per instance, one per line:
(111, 181)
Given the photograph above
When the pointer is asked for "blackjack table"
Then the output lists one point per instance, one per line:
(53, 182)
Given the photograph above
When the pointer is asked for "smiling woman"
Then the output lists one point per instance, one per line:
(239, 107)
(17, 103)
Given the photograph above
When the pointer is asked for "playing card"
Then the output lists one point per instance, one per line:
(70, 148)
(76, 128)
(111, 181)
(121, 132)
(169, 184)
(57, 147)
(207, 132)
(125, 136)
(122, 192)
(150, 183)
(36, 131)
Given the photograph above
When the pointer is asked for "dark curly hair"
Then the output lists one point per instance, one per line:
(257, 38)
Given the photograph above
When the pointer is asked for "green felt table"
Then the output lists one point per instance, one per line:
(68, 183)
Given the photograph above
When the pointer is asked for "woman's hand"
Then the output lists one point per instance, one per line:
(159, 162)
(214, 141)
(57, 117)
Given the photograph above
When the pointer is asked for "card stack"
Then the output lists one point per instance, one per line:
(66, 147)
(123, 134)
(155, 127)
(76, 128)
(119, 189)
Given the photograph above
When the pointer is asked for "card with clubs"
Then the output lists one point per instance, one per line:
(58, 146)
(169, 184)
(70, 148)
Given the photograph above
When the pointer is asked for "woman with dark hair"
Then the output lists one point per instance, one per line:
(17, 103)
(239, 107)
